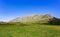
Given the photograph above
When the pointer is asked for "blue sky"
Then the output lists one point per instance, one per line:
(10, 9)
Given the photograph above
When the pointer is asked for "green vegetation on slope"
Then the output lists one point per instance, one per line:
(31, 30)
(55, 22)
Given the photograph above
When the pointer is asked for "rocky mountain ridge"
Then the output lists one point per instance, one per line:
(35, 17)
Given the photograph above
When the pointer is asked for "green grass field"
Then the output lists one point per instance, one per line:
(29, 31)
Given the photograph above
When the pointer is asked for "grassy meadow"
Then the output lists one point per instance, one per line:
(29, 30)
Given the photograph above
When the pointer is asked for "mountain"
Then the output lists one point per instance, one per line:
(1, 22)
(33, 18)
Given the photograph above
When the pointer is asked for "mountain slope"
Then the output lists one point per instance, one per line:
(32, 18)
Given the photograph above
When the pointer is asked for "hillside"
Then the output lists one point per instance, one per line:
(38, 18)
(32, 18)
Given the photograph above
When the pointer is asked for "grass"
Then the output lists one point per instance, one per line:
(29, 31)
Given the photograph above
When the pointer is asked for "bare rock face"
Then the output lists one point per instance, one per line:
(35, 17)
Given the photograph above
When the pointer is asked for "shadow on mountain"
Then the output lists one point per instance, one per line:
(54, 21)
